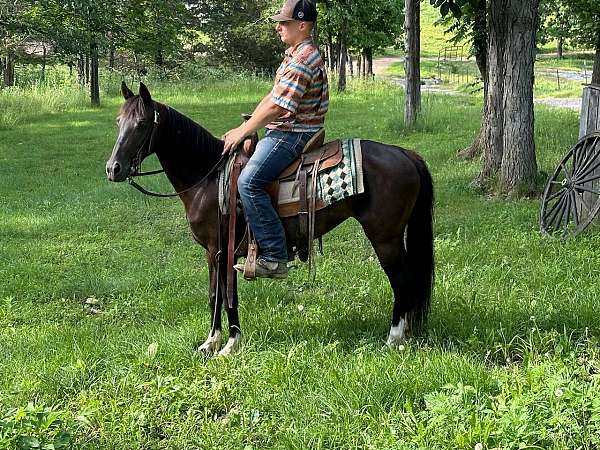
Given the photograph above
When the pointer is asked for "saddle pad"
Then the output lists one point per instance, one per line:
(333, 184)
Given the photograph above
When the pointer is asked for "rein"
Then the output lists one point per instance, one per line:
(138, 163)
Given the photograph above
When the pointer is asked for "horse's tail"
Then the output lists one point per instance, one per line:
(419, 244)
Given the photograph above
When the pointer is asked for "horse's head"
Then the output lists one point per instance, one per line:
(137, 121)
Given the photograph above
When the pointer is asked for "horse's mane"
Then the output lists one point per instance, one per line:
(189, 133)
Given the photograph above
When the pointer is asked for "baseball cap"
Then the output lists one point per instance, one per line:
(304, 10)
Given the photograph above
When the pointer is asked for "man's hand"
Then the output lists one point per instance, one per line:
(233, 138)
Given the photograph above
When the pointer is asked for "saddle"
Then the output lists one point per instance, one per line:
(315, 157)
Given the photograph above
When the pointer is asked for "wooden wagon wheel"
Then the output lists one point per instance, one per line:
(571, 199)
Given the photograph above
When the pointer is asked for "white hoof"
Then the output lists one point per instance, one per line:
(397, 335)
(212, 344)
(232, 346)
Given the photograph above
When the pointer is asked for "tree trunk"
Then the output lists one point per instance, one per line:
(87, 69)
(359, 65)
(9, 69)
(596, 70)
(341, 87)
(519, 166)
(364, 64)
(331, 55)
(369, 62)
(81, 70)
(43, 74)
(94, 85)
(493, 119)
(350, 65)
(559, 47)
(338, 53)
(412, 13)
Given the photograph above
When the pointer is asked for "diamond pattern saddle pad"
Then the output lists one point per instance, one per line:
(333, 184)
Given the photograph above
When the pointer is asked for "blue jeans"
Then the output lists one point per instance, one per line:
(276, 151)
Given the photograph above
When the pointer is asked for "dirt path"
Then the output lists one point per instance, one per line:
(380, 65)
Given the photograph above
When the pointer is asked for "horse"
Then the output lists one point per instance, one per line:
(395, 210)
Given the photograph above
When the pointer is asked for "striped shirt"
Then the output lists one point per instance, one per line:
(301, 88)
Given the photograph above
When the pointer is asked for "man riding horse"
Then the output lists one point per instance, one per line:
(292, 113)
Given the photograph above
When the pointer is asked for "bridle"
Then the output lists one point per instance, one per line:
(144, 150)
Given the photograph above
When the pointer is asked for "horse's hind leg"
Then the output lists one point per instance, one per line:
(393, 259)
(215, 301)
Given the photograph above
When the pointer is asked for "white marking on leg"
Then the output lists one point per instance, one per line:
(212, 344)
(397, 333)
(232, 346)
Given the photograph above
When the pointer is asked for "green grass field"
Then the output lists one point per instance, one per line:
(510, 359)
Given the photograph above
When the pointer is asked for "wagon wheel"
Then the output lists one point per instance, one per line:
(571, 199)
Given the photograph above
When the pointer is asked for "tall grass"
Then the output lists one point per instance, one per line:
(103, 298)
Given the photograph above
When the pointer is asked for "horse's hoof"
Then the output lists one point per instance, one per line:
(212, 344)
(397, 336)
(232, 346)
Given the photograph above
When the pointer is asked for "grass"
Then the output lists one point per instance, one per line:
(510, 359)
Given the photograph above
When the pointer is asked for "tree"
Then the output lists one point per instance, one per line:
(556, 22)
(412, 68)
(13, 33)
(586, 28)
(509, 148)
(506, 136)
(239, 33)
(362, 26)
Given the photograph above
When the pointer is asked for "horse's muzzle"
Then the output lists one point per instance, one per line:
(115, 171)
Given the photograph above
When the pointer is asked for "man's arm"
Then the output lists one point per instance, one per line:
(265, 113)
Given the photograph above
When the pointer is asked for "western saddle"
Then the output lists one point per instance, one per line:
(315, 157)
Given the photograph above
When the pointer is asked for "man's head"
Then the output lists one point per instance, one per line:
(295, 20)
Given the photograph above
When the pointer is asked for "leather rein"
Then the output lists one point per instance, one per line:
(140, 155)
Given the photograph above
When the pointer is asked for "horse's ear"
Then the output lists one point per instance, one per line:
(127, 94)
(145, 93)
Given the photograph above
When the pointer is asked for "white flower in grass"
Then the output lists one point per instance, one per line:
(300, 308)
(558, 392)
(151, 350)
(479, 446)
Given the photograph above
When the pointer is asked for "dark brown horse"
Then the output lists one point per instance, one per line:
(395, 210)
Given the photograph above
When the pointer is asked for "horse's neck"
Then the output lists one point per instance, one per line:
(186, 151)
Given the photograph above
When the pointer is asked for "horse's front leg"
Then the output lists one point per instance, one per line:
(235, 332)
(215, 301)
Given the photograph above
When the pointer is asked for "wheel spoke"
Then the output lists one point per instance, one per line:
(575, 214)
(583, 188)
(589, 170)
(556, 194)
(561, 215)
(589, 159)
(554, 212)
(567, 217)
(553, 208)
(589, 180)
(568, 175)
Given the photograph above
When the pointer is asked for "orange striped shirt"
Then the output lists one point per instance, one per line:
(301, 88)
